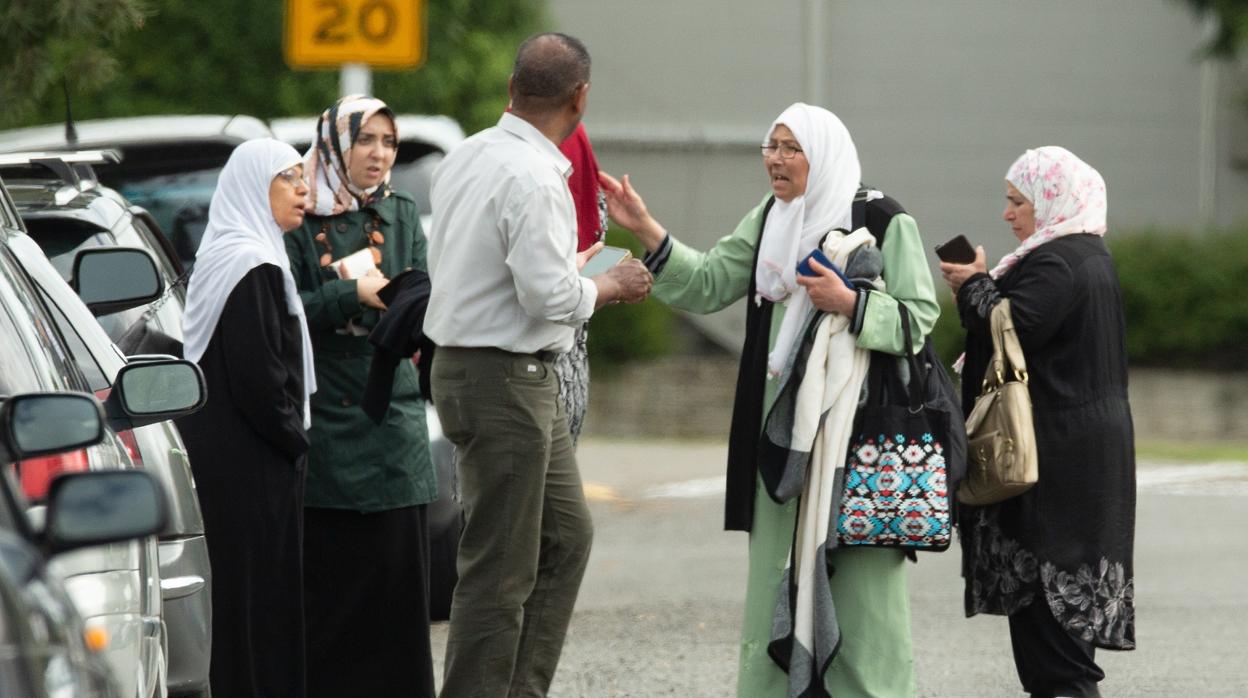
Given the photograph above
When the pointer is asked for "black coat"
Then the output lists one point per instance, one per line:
(246, 448)
(1068, 540)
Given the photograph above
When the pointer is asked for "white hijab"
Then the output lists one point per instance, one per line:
(241, 235)
(794, 228)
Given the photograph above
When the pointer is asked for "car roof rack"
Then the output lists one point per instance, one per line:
(74, 168)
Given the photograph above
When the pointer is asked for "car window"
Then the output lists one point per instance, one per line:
(79, 353)
(415, 177)
(178, 202)
(62, 238)
(32, 356)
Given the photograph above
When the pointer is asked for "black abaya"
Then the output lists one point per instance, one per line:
(247, 450)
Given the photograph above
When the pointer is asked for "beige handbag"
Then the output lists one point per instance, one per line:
(1001, 437)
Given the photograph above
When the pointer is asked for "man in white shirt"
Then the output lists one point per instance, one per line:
(506, 296)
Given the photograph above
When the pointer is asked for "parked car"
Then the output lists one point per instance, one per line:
(46, 650)
(66, 211)
(423, 142)
(50, 339)
(169, 164)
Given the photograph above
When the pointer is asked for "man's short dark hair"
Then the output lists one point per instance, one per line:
(549, 68)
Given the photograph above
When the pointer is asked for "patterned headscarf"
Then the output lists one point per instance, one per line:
(1067, 193)
(326, 161)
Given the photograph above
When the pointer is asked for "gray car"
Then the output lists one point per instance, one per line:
(116, 588)
(65, 211)
(46, 651)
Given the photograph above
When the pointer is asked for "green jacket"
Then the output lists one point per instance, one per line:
(353, 463)
(704, 282)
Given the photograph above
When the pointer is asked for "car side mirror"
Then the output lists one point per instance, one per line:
(102, 507)
(112, 279)
(40, 424)
(154, 390)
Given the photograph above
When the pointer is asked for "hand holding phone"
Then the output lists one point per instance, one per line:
(606, 258)
(804, 269)
(956, 251)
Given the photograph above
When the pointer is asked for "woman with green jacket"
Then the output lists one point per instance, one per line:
(813, 170)
(365, 539)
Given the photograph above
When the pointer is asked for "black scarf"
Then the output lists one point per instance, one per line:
(747, 405)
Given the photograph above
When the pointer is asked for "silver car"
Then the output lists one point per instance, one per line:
(115, 587)
(66, 212)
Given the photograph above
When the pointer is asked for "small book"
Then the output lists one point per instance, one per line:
(355, 265)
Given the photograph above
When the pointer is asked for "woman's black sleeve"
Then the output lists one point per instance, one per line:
(258, 377)
(1040, 299)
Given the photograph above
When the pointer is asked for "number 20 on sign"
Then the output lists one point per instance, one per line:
(380, 33)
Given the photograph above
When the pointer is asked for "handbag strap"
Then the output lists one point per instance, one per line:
(917, 379)
(1007, 352)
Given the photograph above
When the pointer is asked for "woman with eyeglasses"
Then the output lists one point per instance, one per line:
(819, 619)
(245, 327)
(366, 547)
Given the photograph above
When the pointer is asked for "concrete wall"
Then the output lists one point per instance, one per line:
(940, 98)
(691, 397)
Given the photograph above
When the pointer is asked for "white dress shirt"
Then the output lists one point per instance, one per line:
(502, 245)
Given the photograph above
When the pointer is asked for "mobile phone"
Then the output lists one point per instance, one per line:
(957, 251)
(606, 258)
(803, 269)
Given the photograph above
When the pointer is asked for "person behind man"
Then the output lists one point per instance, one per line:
(506, 297)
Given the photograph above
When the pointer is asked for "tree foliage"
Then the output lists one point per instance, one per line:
(225, 57)
(48, 43)
(1231, 30)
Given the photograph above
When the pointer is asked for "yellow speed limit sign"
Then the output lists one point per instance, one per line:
(380, 33)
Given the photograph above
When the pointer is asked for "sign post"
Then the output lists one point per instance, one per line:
(375, 33)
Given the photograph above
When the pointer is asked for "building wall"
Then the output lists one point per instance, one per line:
(939, 96)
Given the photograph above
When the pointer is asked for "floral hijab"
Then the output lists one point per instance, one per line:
(1067, 193)
(331, 190)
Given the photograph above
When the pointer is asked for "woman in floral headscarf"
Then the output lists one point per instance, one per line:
(1057, 559)
(366, 548)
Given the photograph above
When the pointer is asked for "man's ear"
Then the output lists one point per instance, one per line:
(580, 99)
(511, 90)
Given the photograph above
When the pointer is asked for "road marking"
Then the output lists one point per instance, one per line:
(689, 489)
(600, 493)
(1226, 479)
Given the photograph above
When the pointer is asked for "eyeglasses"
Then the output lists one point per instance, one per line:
(293, 177)
(786, 151)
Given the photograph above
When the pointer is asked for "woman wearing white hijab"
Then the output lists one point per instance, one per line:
(1058, 558)
(245, 327)
(814, 173)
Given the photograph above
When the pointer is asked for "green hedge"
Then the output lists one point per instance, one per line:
(1185, 297)
(622, 333)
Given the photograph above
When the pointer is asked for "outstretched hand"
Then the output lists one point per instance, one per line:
(626, 207)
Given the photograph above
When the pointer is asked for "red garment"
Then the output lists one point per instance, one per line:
(584, 185)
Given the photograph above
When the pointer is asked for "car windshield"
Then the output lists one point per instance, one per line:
(178, 201)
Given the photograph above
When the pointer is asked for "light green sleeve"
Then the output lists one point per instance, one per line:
(704, 282)
(907, 278)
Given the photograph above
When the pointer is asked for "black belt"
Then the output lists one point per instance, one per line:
(543, 355)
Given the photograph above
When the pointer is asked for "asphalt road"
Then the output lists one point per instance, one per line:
(660, 608)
